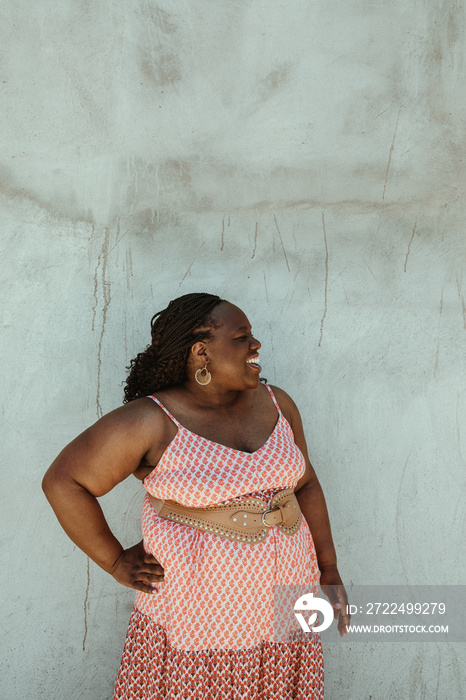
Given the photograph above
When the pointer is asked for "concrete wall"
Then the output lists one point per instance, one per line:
(305, 161)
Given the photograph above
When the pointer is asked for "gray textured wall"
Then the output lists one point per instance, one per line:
(304, 160)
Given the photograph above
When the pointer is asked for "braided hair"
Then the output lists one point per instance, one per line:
(185, 321)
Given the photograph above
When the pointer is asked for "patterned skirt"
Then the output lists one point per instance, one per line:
(151, 669)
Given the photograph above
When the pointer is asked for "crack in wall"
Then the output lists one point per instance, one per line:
(392, 147)
(458, 285)
(398, 520)
(255, 241)
(86, 604)
(326, 281)
(265, 284)
(367, 268)
(96, 299)
(345, 268)
(437, 353)
(190, 266)
(102, 262)
(291, 299)
(120, 237)
(409, 244)
(281, 242)
(223, 233)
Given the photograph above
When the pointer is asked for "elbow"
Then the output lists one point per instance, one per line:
(307, 486)
(49, 483)
(55, 484)
(46, 482)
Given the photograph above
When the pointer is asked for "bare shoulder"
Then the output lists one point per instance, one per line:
(130, 431)
(287, 405)
(292, 415)
(138, 410)
(284, 400)
(113, 448)
(139, 415)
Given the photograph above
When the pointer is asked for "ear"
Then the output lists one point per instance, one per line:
(198, 351)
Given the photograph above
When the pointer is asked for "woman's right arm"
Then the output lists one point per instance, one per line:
(89, 467)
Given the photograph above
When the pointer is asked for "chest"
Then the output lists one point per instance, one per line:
(243, 433)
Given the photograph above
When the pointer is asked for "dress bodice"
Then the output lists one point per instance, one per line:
(198, 472)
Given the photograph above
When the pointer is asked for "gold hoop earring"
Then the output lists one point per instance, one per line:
(203, 376)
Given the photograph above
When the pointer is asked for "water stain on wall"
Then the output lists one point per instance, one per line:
(158, 18)
(161, 69)
(59, 208)
(160, 65)
(275, 80)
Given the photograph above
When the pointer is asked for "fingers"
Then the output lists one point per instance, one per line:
(151, 577)
(138, 569)
(149, 561)
(144, 587)
(145, 556)
(339, 602)
(152, 566)
(152, 573)
(344, 621)
(335, 596)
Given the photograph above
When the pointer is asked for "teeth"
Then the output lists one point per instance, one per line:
(252, 361)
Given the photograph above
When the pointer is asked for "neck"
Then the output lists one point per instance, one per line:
(210, 397)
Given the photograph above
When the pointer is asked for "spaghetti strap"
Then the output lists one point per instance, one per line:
(274, 399)
(166, 411)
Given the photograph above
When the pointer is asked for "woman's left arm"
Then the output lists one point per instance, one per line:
(312, 503)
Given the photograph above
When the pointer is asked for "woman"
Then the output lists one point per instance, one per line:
(200, 429)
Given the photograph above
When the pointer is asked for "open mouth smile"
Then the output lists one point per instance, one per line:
(253, 364)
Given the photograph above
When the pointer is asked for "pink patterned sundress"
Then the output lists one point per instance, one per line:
(208, 631)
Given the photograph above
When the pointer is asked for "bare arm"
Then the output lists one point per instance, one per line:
(90, 466)
(312, 503)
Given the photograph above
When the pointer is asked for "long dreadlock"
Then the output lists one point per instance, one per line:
(185, 321)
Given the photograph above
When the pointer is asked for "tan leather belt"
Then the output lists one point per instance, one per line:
(247, 520)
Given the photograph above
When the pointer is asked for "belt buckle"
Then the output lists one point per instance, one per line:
(271, 510)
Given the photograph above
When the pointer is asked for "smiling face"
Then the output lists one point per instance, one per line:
(232, 352)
